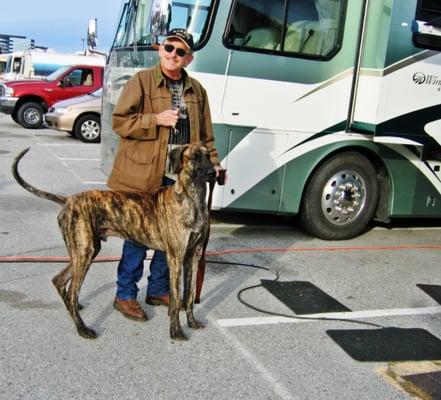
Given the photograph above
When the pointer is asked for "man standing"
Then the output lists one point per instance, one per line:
(159, 108)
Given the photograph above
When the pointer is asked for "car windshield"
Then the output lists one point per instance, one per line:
(57, 73)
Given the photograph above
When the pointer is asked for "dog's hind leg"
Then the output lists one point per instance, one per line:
(60, 281)
(80, 266)
(83, 246)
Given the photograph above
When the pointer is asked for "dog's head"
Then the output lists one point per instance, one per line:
(194, 161)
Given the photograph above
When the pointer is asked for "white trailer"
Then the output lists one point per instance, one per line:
(39, 64)
(3, 62)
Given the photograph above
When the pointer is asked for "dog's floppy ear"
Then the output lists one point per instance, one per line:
(176, 158)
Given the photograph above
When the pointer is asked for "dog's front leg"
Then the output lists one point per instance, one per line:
(174, 265)
(191, 267)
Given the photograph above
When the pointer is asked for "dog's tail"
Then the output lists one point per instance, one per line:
(40, 193)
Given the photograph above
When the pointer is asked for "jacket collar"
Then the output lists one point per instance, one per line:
(160, 79)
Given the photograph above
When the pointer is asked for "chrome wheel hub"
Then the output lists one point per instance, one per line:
(31, 116)
(343, 197)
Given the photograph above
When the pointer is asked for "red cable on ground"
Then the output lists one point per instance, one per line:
(325, 248)
(56, 259)
(41, 259)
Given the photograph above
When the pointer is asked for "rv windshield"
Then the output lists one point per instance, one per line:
(135, 27)
(56, 74)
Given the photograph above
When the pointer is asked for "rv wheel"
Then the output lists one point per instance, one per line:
(340, 198)
(30, 115)
(88, 129)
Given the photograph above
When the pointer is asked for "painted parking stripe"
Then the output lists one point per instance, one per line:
(66, 145)
(233, 322)
(78, 159)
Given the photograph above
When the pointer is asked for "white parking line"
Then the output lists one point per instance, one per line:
(233, 322)
(94, 183)
(273, 380)
(78, 159)
(64, 145)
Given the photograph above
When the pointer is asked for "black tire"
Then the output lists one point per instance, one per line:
(340, 198)
(14, 117)
(30, 115)
(88, 129)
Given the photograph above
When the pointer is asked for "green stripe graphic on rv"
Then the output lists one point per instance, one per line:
(412, 193)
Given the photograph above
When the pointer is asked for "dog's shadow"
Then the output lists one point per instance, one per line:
(109, 309)
(216, 295)
(209, 299)
(105, 313)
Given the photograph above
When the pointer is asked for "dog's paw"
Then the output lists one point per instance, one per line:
(177, 334)
(87, 333)
(195, 324)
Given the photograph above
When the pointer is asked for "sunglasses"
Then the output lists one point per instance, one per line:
(169, 49)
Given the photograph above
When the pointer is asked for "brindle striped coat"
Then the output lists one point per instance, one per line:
(173, 219)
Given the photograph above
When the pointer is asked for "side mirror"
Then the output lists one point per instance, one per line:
(160, 17)
(92, 35)
(65, 82)
(426, 28)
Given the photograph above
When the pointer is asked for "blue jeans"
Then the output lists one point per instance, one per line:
(131, 269)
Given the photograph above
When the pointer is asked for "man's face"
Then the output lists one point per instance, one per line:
(171, 61)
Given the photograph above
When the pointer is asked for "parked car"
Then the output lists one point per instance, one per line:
(28, 100)
(80, 116)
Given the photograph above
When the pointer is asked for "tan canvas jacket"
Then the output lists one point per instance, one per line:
(140, 160)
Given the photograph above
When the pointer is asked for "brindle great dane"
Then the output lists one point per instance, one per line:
(174, 219)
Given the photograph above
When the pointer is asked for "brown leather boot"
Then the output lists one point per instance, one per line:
(158, 300)
(130, 309)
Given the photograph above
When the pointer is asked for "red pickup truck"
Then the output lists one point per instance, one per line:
(28, 100)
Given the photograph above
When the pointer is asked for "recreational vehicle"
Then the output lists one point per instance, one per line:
(329, 109)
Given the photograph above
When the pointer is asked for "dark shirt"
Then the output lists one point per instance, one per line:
(181, 133)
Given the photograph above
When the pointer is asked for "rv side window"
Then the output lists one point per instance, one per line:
(305, 28)
(427, 25)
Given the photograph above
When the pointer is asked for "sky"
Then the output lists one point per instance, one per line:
(60, 24)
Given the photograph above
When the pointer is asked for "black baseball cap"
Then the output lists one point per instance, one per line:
(184, 36)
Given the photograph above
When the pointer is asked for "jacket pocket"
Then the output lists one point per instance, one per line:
(141, 152)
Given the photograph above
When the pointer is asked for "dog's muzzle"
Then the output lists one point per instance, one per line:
(211, 175)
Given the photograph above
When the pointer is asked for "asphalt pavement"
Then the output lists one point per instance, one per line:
(373, 301)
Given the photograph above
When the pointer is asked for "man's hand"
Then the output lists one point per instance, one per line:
(167, 118)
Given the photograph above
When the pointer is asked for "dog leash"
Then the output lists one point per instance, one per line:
(201, 266)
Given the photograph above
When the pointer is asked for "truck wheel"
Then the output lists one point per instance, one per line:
(14, 117)
(88, 129)
(340, 198)
(30, 115)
